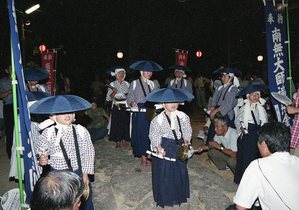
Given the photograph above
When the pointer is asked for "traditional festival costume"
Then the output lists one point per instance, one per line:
(170, 130)
(170, 179)
(120, 118)
(69, 146)
(138, 90)
(251, 117)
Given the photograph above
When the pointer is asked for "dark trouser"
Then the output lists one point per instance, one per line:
(97, 133)
(247, 151)
(222, 160)
(9, 127)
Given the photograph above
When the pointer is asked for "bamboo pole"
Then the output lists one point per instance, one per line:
(16, 129)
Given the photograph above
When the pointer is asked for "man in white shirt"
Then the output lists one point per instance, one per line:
(273, 179)
(223, 149)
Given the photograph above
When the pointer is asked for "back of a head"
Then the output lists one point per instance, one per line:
(58, 190)
(276, 135)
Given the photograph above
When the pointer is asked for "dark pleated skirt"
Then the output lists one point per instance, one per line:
(140, 131)
(120, 124)
(247, 151)
(170, 180)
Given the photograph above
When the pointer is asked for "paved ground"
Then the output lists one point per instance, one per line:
(122, 184)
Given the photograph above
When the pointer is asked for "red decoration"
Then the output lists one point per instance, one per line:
(42, 48)
(181, 57)
(198, 54)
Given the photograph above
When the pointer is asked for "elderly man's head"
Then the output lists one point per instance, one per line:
(221, 124)
(58, 190)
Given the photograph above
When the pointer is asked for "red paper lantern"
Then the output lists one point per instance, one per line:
(198, 54)
(42, 48)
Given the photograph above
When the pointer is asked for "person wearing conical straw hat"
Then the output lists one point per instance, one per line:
(168, 132)
(181, 82)
(224, 99)
(138, 90)
(64, 145)
(251, 116)
(33, 76)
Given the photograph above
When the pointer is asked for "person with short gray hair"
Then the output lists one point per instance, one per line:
(58, 190)
(222, 150)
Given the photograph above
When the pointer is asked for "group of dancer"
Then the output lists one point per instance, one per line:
(63, 145)
(171, 128)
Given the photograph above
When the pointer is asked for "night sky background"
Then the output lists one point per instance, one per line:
(90, 33)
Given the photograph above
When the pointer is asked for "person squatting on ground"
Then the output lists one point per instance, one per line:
(120, 118)
(295, 128)
(222, 150)
(138, 90)
(251, 116)
(170, 180)
(66, 146)
(59, 190)
(272, 179)
(97, 127)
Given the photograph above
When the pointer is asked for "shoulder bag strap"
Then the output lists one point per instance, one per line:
(271, 185)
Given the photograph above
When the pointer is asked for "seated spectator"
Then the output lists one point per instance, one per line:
(273, 179)
(223, 149)
(97, 127)
(59, 190)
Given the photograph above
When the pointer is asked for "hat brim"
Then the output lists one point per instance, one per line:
(220, 71)
(145, 65)
(59, 104)
(35, 74)
(170, 95)
(36, 95)
(251, 89)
